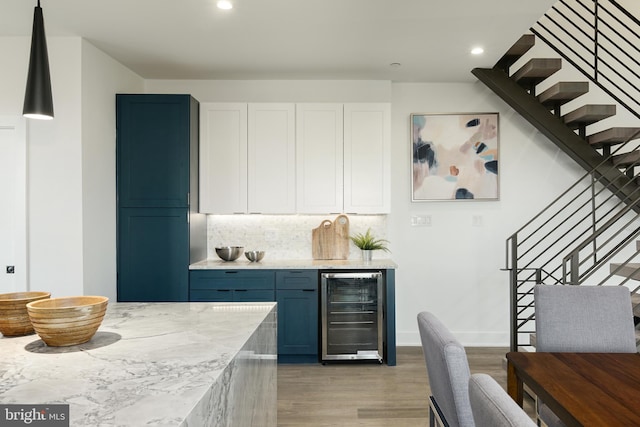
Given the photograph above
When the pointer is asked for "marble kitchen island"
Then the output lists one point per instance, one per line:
(156, 364)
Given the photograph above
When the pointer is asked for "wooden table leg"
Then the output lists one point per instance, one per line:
(514, 384)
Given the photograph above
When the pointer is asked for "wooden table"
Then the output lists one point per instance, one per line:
(583, 389)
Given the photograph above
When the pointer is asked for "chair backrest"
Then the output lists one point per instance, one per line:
(492, 406)
(448, 370)
(584, 319)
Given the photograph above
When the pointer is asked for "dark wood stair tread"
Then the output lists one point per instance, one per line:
(563, 92)
(537, 70)
(588, 114)
(613, 136)
(519, 48)
(631, 158)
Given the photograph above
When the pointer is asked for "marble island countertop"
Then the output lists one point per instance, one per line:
(293, 264)
(160, 364)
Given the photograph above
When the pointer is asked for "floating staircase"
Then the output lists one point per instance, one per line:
(593, 152)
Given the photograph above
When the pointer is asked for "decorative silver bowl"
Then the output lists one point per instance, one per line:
(229, 253)
(254, 256)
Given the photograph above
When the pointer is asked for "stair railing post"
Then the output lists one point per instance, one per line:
(513, 291)
(594, 218)
(574, 273)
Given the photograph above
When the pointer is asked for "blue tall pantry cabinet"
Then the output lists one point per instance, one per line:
(160, 231)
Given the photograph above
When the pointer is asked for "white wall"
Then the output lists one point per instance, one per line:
(58, 214)
(102, 78)
(452, 268)
(53, 164)
(276, 90)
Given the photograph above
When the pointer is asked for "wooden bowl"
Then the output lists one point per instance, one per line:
(62, 322)
(14, 319)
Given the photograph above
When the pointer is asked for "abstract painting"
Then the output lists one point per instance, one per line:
(454, 156)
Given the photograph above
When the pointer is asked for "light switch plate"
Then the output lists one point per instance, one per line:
(421, 221)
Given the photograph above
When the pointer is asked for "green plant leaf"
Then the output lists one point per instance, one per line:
(368, 242)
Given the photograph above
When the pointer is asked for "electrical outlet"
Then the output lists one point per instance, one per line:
(476, 221)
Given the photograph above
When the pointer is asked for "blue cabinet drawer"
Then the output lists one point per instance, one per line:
(231, 279)
(228, 295)
(211, 295)
(297, 279)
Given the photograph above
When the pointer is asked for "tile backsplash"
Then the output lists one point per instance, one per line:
(284, 236)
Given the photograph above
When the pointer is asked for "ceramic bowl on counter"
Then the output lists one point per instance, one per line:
(14, 319)
(254, 256)
(66, 321)
(229, 253)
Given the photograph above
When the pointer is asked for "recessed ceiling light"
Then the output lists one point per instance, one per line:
(395, 65)
(477, 51)
(224, 4)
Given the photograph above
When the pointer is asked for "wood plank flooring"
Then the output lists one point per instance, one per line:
(371, 395)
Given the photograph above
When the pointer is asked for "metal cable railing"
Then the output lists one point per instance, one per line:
(593, 223)
(600, 38)
(570, 241)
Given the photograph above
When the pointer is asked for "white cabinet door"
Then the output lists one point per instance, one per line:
(223, 158)
(367, 164)
(319, 158)
(271, 159)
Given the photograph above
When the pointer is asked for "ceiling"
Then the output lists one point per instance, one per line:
(288, 39)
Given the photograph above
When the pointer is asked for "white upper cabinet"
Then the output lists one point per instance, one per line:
(319, 158)
(223, 158)
(367, 163)
(281, 158)
(271, 159)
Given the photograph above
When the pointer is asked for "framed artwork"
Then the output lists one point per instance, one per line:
(454, 156)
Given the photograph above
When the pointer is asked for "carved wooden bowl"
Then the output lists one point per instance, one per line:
(14, 319)
(62, 322)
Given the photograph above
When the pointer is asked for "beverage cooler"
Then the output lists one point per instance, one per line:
(352, 315)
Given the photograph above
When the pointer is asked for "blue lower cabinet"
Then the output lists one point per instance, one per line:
(298, 332)
(296, 292)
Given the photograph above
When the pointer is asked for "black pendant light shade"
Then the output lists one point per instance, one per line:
(38, 101)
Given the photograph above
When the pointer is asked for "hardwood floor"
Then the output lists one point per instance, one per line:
(372, 395)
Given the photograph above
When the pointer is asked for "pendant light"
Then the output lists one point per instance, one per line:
(38, 101)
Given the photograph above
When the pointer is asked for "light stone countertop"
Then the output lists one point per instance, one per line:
(293, 264)
(148, 364)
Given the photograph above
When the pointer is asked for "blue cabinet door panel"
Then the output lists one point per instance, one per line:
(297, 321)
(153, 150)
(153, 250)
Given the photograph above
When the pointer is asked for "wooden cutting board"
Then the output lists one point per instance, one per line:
(330, 240)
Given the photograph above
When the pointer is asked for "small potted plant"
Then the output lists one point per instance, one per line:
(368, 243)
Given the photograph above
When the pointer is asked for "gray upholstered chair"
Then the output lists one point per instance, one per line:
(582, 319)
(448, 371)
(492, 406)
